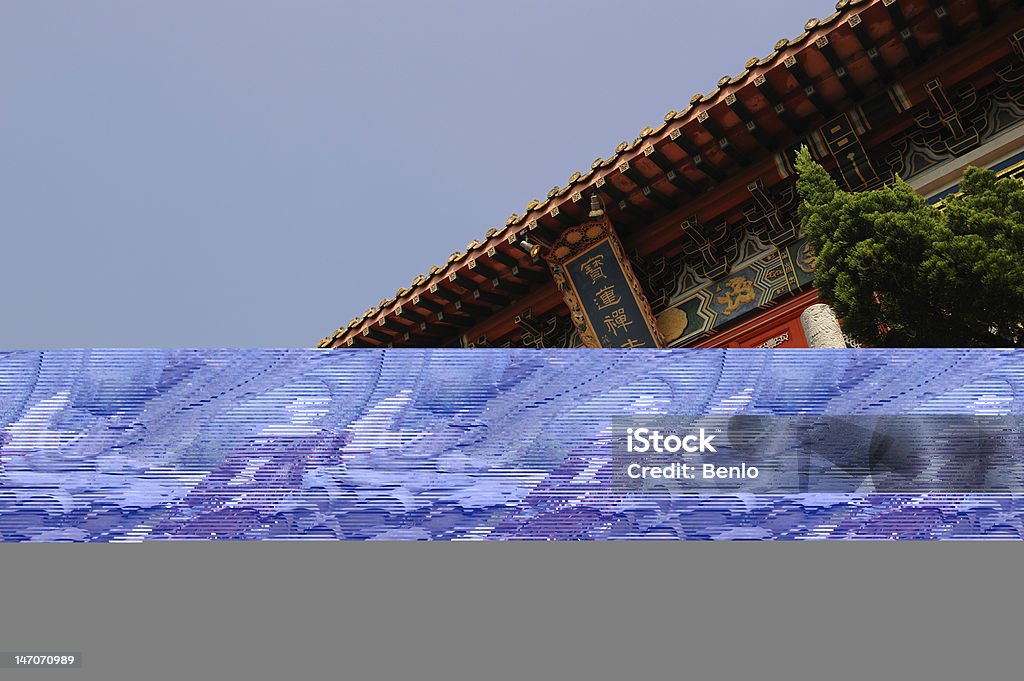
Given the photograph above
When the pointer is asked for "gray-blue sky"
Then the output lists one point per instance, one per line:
(257, 173)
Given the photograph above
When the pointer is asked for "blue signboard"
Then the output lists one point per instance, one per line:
(607, 299)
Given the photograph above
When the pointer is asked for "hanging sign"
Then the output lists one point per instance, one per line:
(605, 299)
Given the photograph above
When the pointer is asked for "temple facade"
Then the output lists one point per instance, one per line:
(688, 236)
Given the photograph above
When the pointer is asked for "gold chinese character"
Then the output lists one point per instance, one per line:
(617, 320)
(594, 268)
(632, 343)
(741, 290)
(606, 298)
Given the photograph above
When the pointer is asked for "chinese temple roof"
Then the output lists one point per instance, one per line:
(720, 139)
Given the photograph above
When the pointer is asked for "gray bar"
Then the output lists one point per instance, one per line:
(173, 611)
(20, 660)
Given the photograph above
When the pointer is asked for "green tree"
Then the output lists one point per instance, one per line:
(902, 273)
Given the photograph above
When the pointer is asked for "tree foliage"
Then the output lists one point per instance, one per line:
(902, 273)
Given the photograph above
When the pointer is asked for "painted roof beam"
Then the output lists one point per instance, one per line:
(472, 309)
(492, 298)
(906, 32)
(409, 315)
(445, 293)
(724, 143)
(680, 181)
(853, 90)
(702, 164)
(860, 31)
(657, 197)
(563, 217)
(480, 268)
(510, 287)
(798, 72)
(949, 30)
(747, 118)
(787, 117)
(502, 257)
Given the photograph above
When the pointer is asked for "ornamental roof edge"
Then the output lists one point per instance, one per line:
(727, 84)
